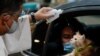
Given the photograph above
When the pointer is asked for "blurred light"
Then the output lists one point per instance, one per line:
(44, 42)
(36, 41)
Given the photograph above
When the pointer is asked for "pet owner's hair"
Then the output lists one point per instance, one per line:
(74, 24)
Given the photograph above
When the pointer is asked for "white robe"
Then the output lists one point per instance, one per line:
(21, 39)
(3, 51)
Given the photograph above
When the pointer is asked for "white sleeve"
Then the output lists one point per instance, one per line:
(3, 50)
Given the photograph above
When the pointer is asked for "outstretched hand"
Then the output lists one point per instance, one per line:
(43, 13)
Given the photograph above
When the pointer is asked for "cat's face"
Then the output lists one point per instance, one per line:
(77, 38)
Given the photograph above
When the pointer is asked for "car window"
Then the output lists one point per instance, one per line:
(89, 20)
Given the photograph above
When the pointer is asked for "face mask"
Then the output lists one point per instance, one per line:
(68, 47)
(13, 27)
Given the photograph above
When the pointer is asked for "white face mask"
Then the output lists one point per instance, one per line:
(15, 24)
(13, 27)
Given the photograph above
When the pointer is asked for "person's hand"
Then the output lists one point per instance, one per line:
(43, 13)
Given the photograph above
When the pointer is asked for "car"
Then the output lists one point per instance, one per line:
(86, 11)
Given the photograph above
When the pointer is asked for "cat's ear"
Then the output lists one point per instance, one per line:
(83, 37)
(77, 33)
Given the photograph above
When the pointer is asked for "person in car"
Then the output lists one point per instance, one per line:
(67, 34)
(68, 30)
